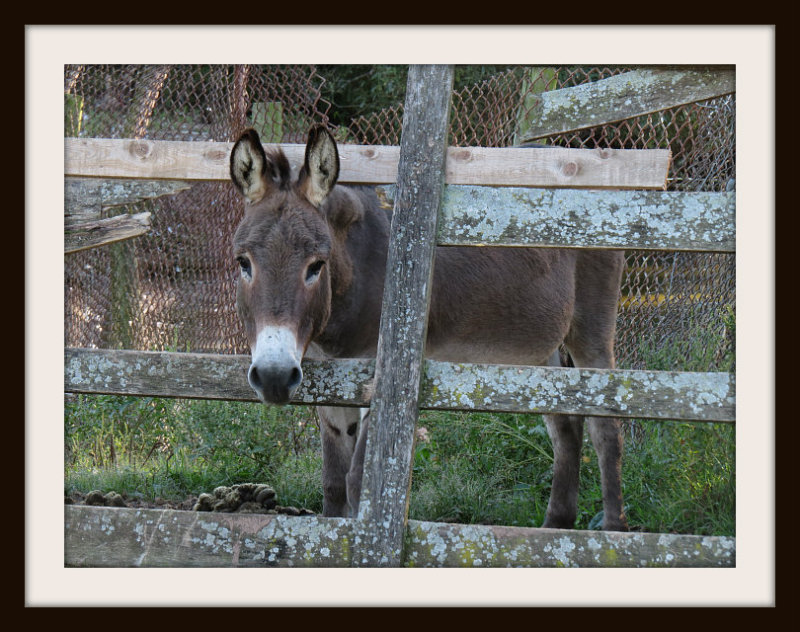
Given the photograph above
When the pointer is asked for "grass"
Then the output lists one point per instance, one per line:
(171, 448)
(472, 468)
(677, 477)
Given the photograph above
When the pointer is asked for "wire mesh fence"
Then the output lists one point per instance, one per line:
(173, 288)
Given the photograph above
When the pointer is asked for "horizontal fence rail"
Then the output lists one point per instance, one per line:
(571, 218)
(126, 537)
(445, 386)
(377, 164)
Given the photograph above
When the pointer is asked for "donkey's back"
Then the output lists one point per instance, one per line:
(494, 304)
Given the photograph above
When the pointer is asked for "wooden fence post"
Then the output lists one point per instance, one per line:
(383, 511)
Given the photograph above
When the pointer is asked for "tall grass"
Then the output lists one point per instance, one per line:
(172, 448)
(470, 468)
(497, 469)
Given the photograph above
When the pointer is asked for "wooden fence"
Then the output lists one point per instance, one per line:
(438, 199)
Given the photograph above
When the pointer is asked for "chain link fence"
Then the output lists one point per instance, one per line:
(173, 288)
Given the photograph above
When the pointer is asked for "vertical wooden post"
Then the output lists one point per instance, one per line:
(267, 120)
(540, 79)
(383, 510)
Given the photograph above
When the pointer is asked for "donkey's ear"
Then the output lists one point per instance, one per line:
(321, 167)
(249, 166)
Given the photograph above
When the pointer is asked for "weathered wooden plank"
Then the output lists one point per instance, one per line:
(688, 396)
(561, 167)
(641, 220)
(85, 199)
(601, 392)
(125, 537)
(378, 164)
(82, 235)
(623, 96)
(539, 79)
(404, 313)
(206, 376)
(432, 544)
(148, 159)
(90, 193)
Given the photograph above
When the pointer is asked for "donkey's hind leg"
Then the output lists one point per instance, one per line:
(607, 439)
(606, 434)
(566, 434)
(591, 345)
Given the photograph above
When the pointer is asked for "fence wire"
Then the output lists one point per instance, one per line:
(173, 288)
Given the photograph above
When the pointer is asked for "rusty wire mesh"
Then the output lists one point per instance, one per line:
(173, 289)
(668, 298)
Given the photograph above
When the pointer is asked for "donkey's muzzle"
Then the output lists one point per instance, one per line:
(275, 372)
(275, 384)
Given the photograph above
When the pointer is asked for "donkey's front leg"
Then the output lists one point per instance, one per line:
(339, 432)
(356, 472)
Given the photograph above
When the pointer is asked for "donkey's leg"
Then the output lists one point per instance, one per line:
(339, 431)
(357, 466)
(566, 433)
(607, 439)
(606, 434)
(591, 345)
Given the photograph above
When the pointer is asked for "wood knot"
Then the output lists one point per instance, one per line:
(604, 154)
(570, 169)
(140, 148)
(464, 155)
(368, 153)
(216, 155)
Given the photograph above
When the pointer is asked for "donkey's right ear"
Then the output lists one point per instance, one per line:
(249, 166)
(321, 167)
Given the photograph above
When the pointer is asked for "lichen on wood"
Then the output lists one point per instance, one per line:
(127, 537)
(493, 388)
(623, 96)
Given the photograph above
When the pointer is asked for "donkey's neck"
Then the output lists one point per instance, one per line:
(357, 273)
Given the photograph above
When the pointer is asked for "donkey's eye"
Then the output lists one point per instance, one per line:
(244, 265)
(312, 272)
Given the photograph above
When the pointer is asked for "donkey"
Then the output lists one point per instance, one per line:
(312, 258)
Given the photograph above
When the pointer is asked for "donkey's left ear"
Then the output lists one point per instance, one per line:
(321, 167)
(248, 166)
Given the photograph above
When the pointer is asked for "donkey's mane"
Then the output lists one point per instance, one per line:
(278, 165)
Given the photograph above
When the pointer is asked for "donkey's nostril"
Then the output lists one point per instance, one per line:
(254, 378)
(295, 377)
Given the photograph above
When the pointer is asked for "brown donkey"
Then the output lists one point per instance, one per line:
(313, 256)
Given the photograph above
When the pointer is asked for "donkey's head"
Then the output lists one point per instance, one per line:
(283, 246)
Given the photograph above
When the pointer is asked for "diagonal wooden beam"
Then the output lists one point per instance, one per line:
(404, 315)
(621, 97)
